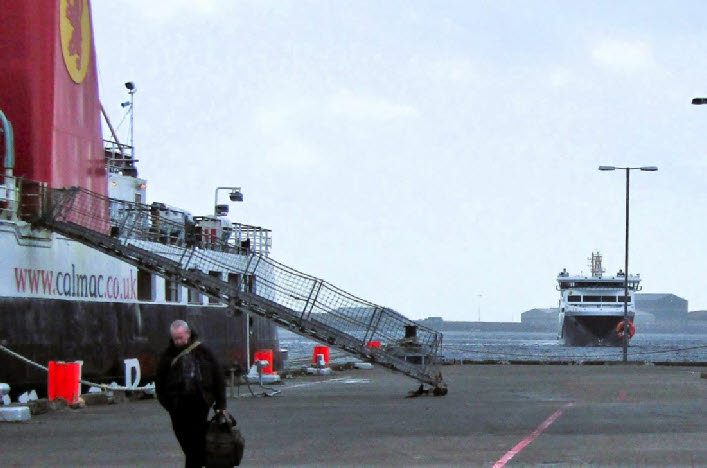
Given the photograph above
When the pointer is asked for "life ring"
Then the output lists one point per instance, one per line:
(620, 329)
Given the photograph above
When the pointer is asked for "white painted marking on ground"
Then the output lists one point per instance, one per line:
(355, 381)
(344, 380)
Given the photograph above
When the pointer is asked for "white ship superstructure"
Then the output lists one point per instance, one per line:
(59, 298)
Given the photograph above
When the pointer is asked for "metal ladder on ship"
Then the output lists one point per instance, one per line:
(299, 302)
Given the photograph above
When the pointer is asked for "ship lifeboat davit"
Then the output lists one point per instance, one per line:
(620, 329)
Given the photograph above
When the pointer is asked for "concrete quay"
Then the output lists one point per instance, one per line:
(512, 415)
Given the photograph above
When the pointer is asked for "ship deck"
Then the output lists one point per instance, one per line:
(513, 414)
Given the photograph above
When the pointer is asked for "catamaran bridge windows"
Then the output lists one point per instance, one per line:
(603, 299)
(598, 284)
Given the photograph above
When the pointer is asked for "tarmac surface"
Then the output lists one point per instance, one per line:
(512, 415)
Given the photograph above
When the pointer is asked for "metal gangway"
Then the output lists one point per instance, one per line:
(296, 301)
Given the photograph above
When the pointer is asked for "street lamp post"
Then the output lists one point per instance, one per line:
(625, 324)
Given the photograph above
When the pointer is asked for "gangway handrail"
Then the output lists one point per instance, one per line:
(298, 301)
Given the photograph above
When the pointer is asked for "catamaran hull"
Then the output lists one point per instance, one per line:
(590, 330)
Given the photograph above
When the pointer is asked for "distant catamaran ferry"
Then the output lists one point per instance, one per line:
(592, 307)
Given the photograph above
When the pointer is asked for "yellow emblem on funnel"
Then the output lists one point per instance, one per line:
(75, 29)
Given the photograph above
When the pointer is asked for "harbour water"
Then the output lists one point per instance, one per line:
(538, 346)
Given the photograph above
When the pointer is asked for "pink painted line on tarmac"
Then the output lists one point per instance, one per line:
(533, 435)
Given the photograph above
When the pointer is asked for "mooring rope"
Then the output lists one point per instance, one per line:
(85, 382)
(146, 388)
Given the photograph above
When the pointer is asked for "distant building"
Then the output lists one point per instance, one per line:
(433, 320)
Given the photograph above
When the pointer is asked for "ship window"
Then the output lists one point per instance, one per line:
(234, 280)
(623, 299)
(194, 296)
(600, 284)
(574, 298)
(144, 285)
(248, 283)
(608, 298)
(592, 298)
(172, 291)
(217, 275)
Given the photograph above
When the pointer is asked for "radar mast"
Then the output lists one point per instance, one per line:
(595, 265)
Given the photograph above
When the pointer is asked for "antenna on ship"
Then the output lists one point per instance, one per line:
(130, 86)
(595, 265)
(120, 157)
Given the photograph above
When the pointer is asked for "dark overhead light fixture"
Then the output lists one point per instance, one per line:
(236, 196)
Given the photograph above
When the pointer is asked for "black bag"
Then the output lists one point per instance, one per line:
(224, 442)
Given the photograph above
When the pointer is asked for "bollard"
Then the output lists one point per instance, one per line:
(262, 365)
(284, 352)
(265, 355)
(4, 391)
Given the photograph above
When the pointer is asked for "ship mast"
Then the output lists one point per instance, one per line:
(595, 265)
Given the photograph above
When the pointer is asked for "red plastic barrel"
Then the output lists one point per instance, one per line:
(64, 381)
(265, 355)
(321, 350)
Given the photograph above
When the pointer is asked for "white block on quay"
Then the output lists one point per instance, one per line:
(14, 414)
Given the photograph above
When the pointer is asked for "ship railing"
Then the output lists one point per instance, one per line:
(300, 302)
(9, 198)
(251, 238)
(20, 199)
(119, 158)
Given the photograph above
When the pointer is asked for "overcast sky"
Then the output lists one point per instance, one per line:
(419, 154)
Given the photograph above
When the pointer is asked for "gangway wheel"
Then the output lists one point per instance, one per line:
(432, 391)
(438, 389)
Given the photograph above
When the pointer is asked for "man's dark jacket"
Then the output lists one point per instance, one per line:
(211, 387)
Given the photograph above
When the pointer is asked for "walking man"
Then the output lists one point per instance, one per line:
(189, 381)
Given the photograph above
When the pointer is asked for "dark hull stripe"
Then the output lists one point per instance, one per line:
(591, 331)
(103, 334)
